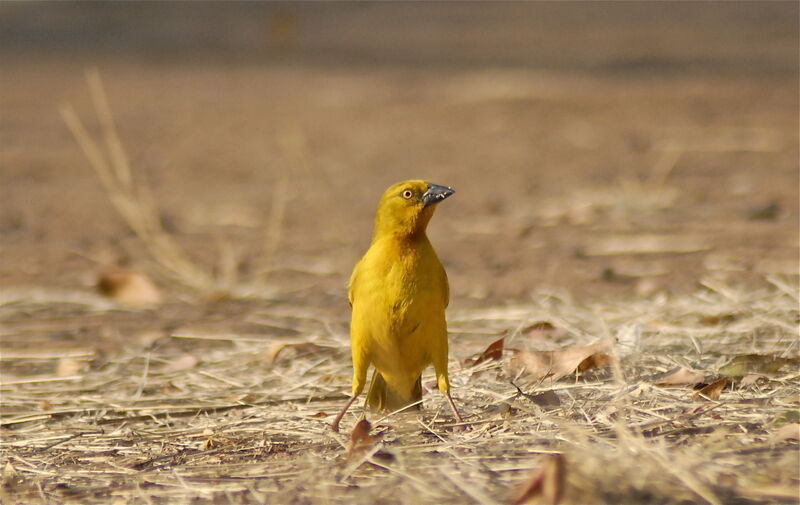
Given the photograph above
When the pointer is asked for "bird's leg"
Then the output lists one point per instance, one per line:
(453, 406)
(335, 423)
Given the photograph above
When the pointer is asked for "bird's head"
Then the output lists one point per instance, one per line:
(406, 207)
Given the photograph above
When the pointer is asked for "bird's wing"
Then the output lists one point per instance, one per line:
(353, 280)
(445, 287)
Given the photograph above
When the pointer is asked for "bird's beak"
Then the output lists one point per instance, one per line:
(435, 194)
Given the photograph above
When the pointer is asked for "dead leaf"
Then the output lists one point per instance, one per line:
(679, 376)
(273, 350)
(543, 330)
(596, 360)
(249, 398)
(539, 326)
(545, 399)
(540, 364)
(546, 485)
(276, 348)
(713, 390)
(128, 287)
(786, 432)
(360, 439)
(746, 364)
(183, 362)
(320, 414)
(493, 352)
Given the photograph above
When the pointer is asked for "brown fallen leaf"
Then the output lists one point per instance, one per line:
(539, 326)
(248, 398)
(540, 364)
(713, 390)
(596, 360)
(273, 350)
(493, 352)
(786, 432)
(679, 376)
(128, 287)
(360, 440)
(277, 348)
(543, 330)
(545, 399)
(183, 362)
(546, 485)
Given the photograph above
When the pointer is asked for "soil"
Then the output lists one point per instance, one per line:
(550, 160)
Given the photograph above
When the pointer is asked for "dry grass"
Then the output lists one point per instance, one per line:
(223, 415)
(135, 203)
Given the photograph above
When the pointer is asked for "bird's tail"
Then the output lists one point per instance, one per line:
(382, 398)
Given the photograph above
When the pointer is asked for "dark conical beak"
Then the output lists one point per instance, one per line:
(435, 194)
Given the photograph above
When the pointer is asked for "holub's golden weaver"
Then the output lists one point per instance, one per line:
(398, 293)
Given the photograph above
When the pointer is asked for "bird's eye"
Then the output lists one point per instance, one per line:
(407, 194)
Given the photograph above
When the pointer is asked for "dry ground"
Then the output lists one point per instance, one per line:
(208, 412)
(610, 182)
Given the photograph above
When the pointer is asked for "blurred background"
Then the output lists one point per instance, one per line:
(597, 148)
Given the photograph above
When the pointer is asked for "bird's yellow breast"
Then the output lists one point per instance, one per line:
(399, 292)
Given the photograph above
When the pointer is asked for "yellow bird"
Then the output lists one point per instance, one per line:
(398, 294)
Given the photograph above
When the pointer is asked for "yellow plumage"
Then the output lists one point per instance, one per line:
(398, 293)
